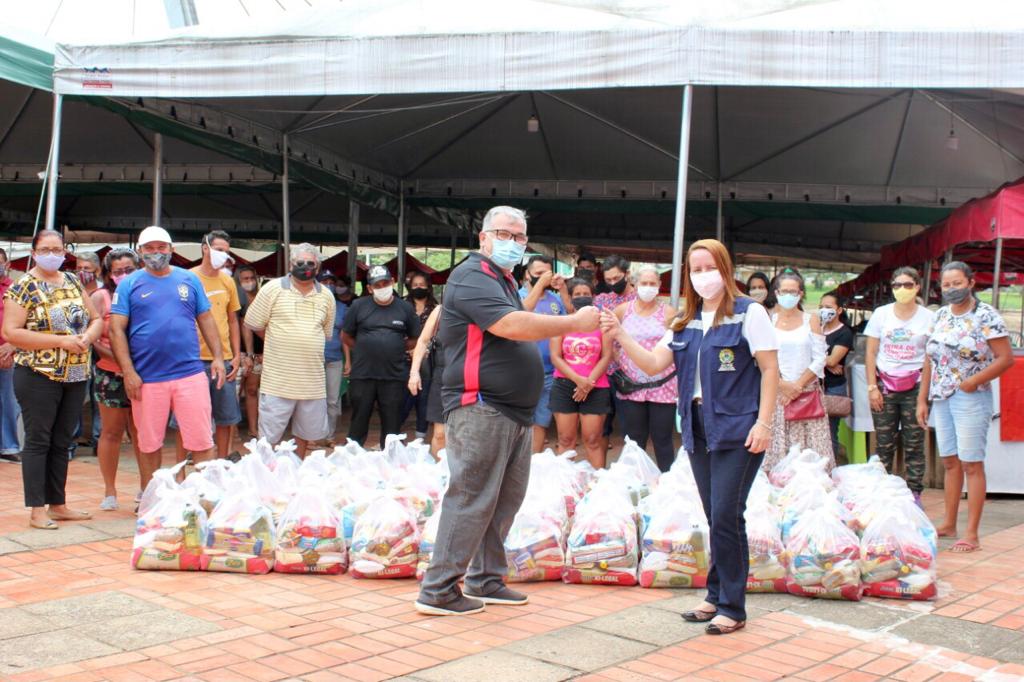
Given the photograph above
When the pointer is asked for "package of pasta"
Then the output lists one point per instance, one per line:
(240, 537)
(308, 537)
(768, 559)
(898, 554)
(824, 556)
(675, 546)
(602, 546)
(385, 541)
(169, 536)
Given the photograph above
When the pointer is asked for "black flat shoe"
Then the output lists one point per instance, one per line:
(716, 629)
(698, 616)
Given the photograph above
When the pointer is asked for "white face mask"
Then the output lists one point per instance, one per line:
(707, 284)
(759, 295)
(249, 286)
(218, 258)
(647, 293)
(383, 295)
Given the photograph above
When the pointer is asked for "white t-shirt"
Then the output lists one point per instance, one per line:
(758, 331)
(900, 343)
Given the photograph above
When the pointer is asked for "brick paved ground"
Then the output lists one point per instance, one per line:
(71, 608)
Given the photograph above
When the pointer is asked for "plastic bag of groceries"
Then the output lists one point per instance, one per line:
(287, 450)
(824, 557)
(427, 539)
(240, 537)
(566, 478)
(857, 475)
(264, 451)
(675, 545)
(535, 545)
(210, 480)
(813, 499)
(162, 480)
(768, 558)
(636, 466)
(419, 489)
(794, 459)
(602, 545)
(898, 553)
(385, 541)
(274, 487)
(169, 535)
(316, 463)
(863, 502)
(308, 536)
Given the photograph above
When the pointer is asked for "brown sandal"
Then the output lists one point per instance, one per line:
(716, 629)
(698, 616)
(43, 525)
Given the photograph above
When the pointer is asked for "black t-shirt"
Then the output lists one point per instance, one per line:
(843, 336)
(508, 375)
(380, 332)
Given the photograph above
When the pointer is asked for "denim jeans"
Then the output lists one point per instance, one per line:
(724, 478)
(489, 456)
(56, 409)
(833, 422)
(9, 412)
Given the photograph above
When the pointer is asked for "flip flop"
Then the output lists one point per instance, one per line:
(48, 524)
(964, 547)
(74, 516)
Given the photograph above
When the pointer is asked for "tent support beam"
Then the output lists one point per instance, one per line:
(434, 124)
(455, 242)
(544, 138)
(403, 238)
(985, 136)
(54, 166)
(625, 131)
(899, 141)
(820, 131)
(158, 178)
(462, 134)
(719, 224)
(997, 272)
(353, 242)
(927, 289)
(680, 217)
(286, 226)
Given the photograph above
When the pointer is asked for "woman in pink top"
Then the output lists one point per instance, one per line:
(580, 394)
(108, 380)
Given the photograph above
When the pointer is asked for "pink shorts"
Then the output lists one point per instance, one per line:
(189, 398)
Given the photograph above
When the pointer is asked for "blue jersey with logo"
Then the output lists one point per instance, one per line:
(162, 314)
(549, 304)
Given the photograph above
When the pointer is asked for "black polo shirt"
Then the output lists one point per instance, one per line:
(507, 375)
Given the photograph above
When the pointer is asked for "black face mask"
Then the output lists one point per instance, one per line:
(582, 302)
(619, 287)
(534, 280)
(303, 273)
(586, 273)
(418, 292)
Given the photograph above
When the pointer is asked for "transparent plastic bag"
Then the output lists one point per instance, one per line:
(308, 536)
(264, 451)
(240, 538)
(169, 535)
(824, 557)
(675, 546)
(638, 464)
(273, 489)
(602, 545)
(856, 475)
(385, 541)
(162, 481)
(768, 558)
(898, 554)
(427, 539)
(794, 459)
(535, 545)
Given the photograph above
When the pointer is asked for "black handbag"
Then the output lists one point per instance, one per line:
(624, 385)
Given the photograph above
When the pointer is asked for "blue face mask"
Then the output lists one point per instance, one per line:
(788, 301)
(508, 253)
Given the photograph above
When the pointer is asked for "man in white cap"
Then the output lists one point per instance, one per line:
(379, 329)
(153, 318)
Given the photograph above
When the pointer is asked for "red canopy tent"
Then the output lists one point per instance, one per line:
(338, 264)
(412, 264)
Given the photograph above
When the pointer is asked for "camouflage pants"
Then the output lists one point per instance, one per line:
(898, 419)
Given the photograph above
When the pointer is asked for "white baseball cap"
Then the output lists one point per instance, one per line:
(153, 233)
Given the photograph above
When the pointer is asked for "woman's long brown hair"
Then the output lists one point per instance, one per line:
(690, 297)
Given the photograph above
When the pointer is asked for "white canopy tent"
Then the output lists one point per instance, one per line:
(602, 79)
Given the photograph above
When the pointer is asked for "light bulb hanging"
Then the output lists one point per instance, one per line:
(952, 142)
(533, 124)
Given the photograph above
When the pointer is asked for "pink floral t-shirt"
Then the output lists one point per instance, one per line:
(582, 352)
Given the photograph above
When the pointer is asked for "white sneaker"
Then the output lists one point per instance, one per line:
(109, 503)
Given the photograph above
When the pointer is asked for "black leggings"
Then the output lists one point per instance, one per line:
(656, 420)
(51, 410)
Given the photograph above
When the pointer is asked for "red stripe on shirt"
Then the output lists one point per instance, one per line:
(486, 267)
(471, 368)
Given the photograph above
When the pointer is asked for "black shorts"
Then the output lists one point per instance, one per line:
(598, 402)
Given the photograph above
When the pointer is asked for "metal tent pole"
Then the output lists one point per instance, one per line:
(286, 226)
(719, 222)
(927, 289)
(680, 216)
(455, 238)
(997, 274)
(353, 241)
(402, 238)
(54, 170)
(158, 178)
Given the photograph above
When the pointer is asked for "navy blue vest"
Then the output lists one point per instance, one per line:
(729, 378)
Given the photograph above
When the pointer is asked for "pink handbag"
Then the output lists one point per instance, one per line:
(808, 405)
(898, 383)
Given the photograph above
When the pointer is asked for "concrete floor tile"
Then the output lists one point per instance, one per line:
(645, 624)
(116, 528)
(148, 629)
(509, 666)
(69, 533)
(17, 622)
(861, 615)
(580, 648)
(43, 650)
(91, 610)
(960, 635)
(8, 546)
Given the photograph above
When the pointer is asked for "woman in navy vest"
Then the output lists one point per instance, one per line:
(724, 348)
